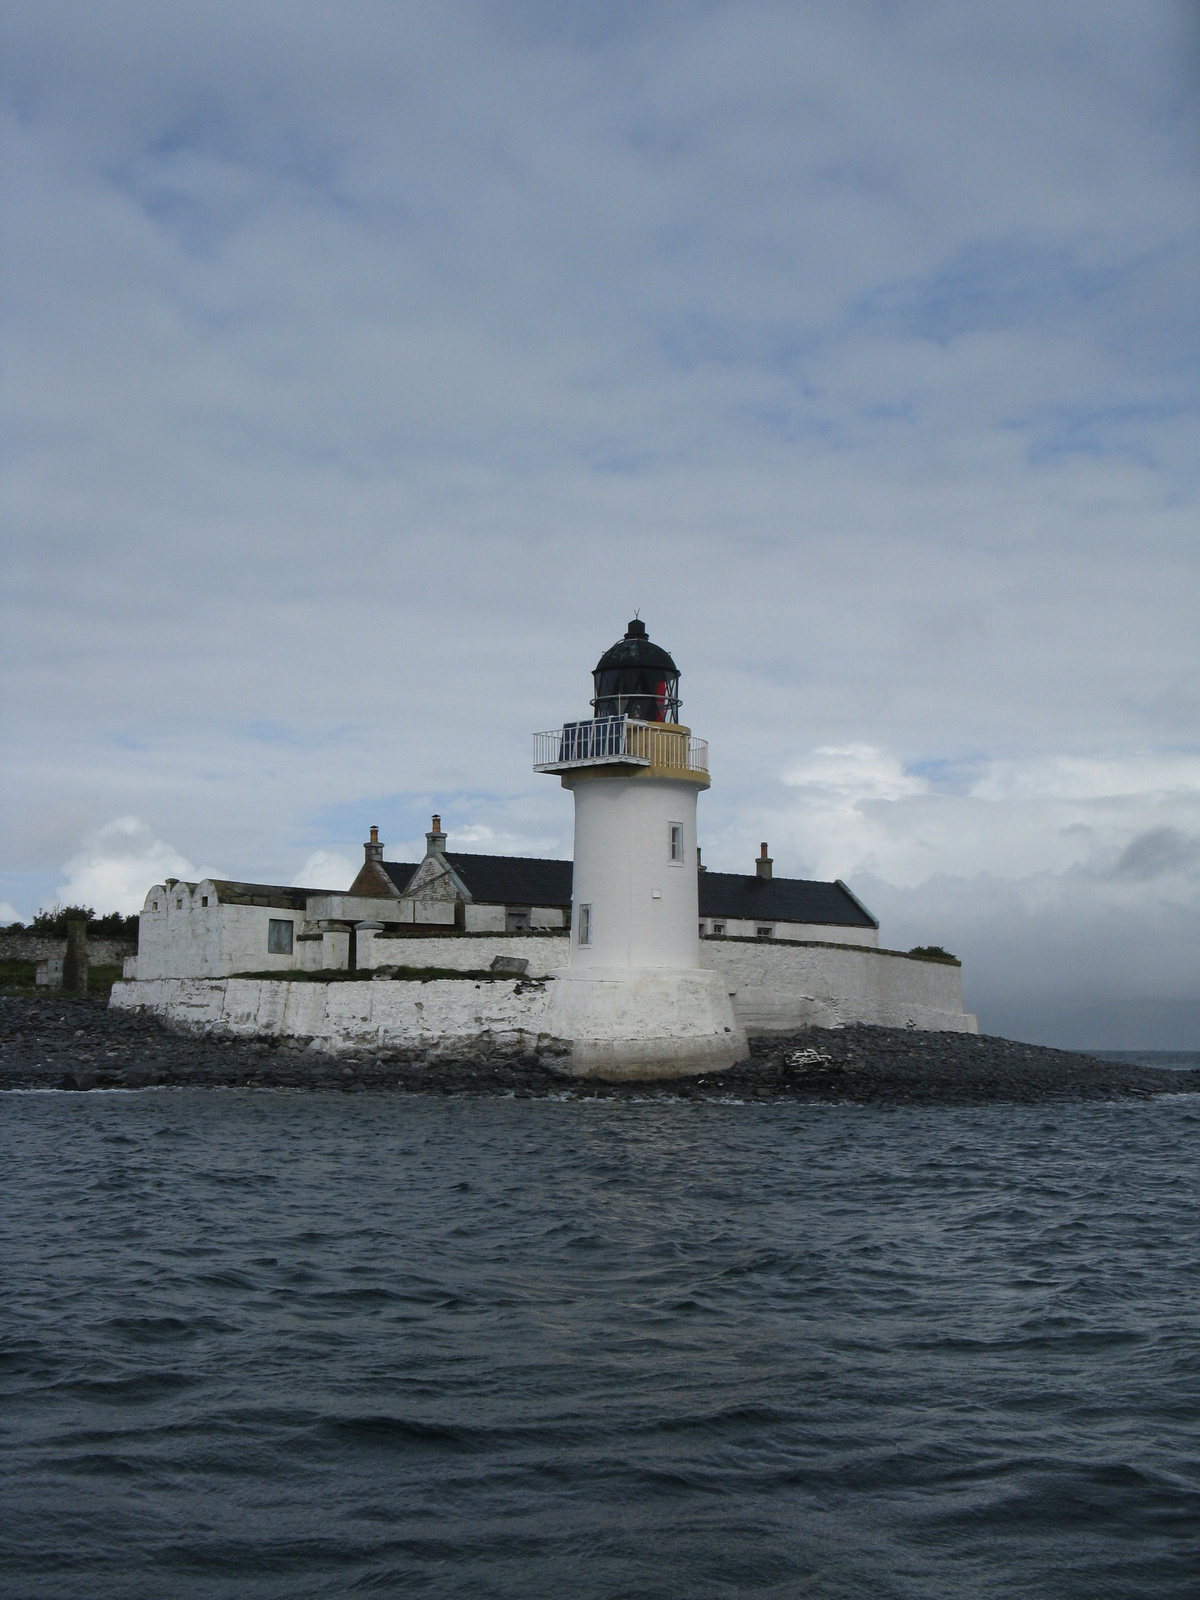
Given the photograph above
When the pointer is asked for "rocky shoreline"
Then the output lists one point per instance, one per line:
(55, 1042)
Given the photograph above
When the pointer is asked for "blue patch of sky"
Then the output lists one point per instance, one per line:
(985, 288)
(29, 892)
(1117, 430)
(402, 816)
(954, 775)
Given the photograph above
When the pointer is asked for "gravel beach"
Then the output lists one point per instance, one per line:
(55, 1042)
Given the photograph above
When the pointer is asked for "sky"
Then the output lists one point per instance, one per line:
(365, 366)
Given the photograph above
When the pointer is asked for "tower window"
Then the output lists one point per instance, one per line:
(675, 842)
(279, 937)
(585, 925)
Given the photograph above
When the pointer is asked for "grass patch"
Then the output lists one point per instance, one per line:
(101, 980)
(17, 974)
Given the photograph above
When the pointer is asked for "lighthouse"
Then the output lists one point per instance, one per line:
(634, 998)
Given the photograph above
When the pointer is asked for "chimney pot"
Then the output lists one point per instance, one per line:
(763, 864)
(374, 834)
(437, 824)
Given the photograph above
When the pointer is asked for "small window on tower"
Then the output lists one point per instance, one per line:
(279, 937)
(675, 834)
(585, 925)
(179, 905)
(203, 899)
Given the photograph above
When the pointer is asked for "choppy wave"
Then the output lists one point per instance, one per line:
(257, 1345)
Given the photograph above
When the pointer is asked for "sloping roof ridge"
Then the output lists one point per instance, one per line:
(490, 855)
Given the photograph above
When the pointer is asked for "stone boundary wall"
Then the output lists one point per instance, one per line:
(783, 988)
(447, 1015)
(101, 952)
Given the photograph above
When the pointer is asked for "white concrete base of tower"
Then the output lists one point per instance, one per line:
(648, 1022)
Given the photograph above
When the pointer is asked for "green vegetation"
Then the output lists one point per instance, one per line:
(101, 980)
(933, 952)
(20, 977)
(17, 975)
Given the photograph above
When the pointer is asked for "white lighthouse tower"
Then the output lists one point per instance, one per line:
(635, 999)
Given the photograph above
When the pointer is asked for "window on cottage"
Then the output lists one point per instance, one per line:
(675, 836)
(764, 933)
(585, 925)
(179, 905)
(516, 919)
(203, 899)
(279, 937)
(156, 905)
(719, 929)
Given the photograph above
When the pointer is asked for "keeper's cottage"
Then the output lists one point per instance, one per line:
(631, 959)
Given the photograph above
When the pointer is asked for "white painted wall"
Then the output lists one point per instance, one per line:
(545, 952)
(180, 936)
(780, 988)
(448, 1015)
(644, 906)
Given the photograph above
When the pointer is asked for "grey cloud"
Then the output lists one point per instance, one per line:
(1157, 853)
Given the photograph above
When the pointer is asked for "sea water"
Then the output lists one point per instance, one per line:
(276, 1344)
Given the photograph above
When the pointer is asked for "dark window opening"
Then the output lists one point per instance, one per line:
(279, 937)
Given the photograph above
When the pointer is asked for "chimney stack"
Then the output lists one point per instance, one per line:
(764, 863)
(435, 839)
(700, 867)
(373, 850)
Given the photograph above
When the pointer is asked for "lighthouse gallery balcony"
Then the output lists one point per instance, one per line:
(619, 741)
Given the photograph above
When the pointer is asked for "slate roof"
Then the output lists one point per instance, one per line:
(754, 899)
(514, 880)
(530, 881)
(400, 872)
(501, 880)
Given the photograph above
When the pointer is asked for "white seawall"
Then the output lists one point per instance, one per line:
(784, 988)
(450, 1014)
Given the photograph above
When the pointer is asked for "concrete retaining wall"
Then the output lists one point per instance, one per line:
(450, 1014)
(783, 988)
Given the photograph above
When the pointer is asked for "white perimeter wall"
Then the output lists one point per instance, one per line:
(780, 988)
(450, 1013)
(643, 904)
(544, 952)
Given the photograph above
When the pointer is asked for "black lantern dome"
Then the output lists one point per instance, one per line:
(637, 679)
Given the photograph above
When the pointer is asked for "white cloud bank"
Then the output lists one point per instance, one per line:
(117, 864)
(1070, 886)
